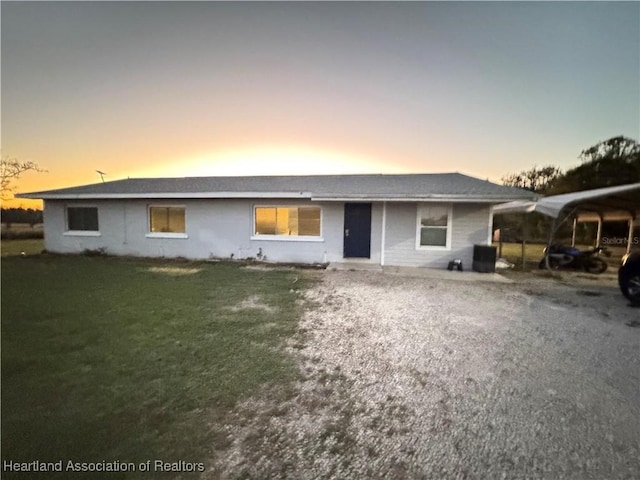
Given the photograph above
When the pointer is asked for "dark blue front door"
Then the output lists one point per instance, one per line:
(357, 230)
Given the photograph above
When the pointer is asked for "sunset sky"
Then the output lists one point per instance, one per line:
(183, 89)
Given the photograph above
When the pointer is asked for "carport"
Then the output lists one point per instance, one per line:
(619, 203)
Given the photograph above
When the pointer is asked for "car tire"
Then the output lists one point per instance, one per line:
(630, 287)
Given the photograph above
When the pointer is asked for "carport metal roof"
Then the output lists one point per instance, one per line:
(611, 203)
(619, 203)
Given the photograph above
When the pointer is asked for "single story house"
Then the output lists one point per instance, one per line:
(422, 220)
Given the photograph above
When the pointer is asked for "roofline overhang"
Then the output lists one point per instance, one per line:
(413, 198)
(125, 196)
(283, 195)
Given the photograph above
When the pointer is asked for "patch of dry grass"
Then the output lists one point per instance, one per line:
(175, 271)
(253, 302)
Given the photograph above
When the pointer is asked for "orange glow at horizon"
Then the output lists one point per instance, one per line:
(259, 160)
(270, 160)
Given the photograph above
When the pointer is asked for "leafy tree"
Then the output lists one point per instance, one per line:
(515, 227)
(612, 162)
(537, 180)
(10, 171)
(615, 147)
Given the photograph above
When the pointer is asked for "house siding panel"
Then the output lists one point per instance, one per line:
(215, 229)
(223, 228)
(470, 224)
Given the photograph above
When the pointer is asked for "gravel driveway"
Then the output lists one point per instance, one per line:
(423, 378)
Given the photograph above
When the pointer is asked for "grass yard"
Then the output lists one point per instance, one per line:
(14, 247)
(132, 360)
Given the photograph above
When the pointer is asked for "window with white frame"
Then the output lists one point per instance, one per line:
(287, 221)
(167, 219)
(82, 219)
(434, 226)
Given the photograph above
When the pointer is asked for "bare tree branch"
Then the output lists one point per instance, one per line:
(10, 171)
(537, 179)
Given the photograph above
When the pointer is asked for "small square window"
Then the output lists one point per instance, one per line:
(82, 219)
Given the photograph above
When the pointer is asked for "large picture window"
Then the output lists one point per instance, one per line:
(434, 226)
(287, 221)
(82, 219)
(167, 219)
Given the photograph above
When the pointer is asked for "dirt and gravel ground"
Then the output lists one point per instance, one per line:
(429, 378)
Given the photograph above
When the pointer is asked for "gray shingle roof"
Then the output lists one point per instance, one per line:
(436, 185)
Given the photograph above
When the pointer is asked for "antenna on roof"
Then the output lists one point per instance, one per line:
(102, 174)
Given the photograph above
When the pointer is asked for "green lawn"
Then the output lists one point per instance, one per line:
(130, 360)
(16, 247)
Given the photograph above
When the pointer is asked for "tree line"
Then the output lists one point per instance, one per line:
(609, 163)
(21, 215)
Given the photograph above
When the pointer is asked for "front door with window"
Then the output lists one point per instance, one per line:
(357, 230)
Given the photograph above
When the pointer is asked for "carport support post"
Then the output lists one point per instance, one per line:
(525, 234)
(599, 234)
(555, 225)
(573, 233)
(383, 235)
(552, 231)
(629, 238)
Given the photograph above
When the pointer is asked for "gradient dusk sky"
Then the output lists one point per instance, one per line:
(205, 88)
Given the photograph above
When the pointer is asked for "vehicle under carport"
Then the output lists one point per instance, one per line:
(618, 203)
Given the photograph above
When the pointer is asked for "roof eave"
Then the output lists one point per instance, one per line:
(419, 198)
(182, 195)
(284, 195)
